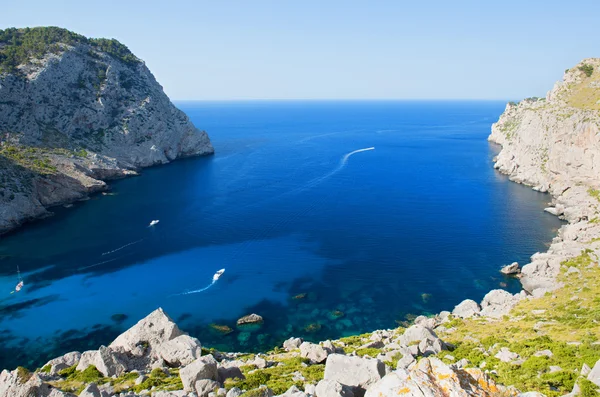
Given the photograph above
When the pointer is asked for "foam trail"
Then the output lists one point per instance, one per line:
(216, 277)
(340, 167)
(120, 248)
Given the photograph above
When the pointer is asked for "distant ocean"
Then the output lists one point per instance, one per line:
(319, 237)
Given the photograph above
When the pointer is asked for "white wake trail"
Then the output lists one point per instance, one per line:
(120, 248)
(340, 167)
(216, 277)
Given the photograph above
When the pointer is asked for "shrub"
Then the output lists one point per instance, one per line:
(587, 69)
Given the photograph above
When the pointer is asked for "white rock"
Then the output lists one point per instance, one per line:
(331, 388)
(179, 351)
(358, 373)
(467, 308)
(203, 368)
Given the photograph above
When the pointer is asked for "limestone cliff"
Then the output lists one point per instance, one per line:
(553, 144)
(75, 112)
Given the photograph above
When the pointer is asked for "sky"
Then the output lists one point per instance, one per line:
(334, 49)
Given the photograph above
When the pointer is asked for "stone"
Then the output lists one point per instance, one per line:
(358, 373)
(467, 308)
(594, 375)
(431, 377)
(310, 389)
(315, 353)
(203, 368)
(498, 303)
(331, 388)
(107, 361)
(513, 268)
(585, 370)
(293, 391)
(205, 386)
(179, 351)
(541, 353)
(90, 390)
(140, 379)
(153, 330)
(16, 384)
(234, 392)
(416, 333)
(250, 319)
(292, 344)
(63, 362)
(229, 373)
(506, 355)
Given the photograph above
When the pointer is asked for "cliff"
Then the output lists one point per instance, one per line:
(74, 113)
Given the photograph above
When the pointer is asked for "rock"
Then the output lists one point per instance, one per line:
(262, 391)
(554, 368)
(541, 353)
(467, 308)
(506, 355)
(310, 389)
(153, 330)
(140, 379)
(594, 375)
(429, 347)
(406, 362)
(513, 268)
(22, 384)
(315, 353)
(90, 390)
(203, 368)
(292, 344)
(416, 333)
(358, 373)
(531, 394)
(585, 370)
(293, 391)
(431, 377)
(113, 108)
(106, 360)
(331, 388)
(234, 392)
(206, 386)
(179, 351)
(250, 320)
(63, 362)
(498, 303)
(229, 373)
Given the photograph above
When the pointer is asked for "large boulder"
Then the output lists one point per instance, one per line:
(91, 390)
(498, 303)
(315, 353)
(513, 268)
(416, 333)
(179, 351)
(21, 383)
(292, 344)
(63, 362)
(153, 330)
(431, 377)
(331, 388)
(467, 308)
(203, 368)
(355, 372)
(107, 361)
(293, 391)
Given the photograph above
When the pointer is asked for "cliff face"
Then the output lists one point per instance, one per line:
(553, 144)
(77, 115)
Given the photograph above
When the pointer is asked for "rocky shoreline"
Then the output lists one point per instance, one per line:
(551, 144)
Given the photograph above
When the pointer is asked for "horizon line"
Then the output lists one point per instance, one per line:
(343, 99)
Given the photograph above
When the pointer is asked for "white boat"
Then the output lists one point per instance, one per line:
(218, 274)
(19, 286)
(154, 222)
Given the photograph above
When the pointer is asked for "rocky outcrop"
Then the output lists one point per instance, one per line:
(76, 115)
(431, 377)
(553, 145)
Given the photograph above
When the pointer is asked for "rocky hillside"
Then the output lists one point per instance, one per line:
(75, 112)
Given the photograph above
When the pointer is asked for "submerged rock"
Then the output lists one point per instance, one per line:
(251, 322)
(513, 268)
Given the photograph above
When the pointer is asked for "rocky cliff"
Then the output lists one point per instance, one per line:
(553, 145)
(75, 112)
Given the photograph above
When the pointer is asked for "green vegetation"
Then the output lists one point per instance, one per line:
(46, 369)
(278, 378)
(23, 374)
(368, 351)
(159, 379)
(18, 46)
(587, 69)
(595, 193)
(564, 322)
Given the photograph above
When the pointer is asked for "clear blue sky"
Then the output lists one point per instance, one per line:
(337, 48)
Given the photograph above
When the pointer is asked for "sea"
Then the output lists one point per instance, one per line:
(330, 219)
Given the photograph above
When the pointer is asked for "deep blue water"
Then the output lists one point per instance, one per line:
(414, 226)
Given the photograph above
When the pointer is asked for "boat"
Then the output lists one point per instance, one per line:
(218, 274)
(154, 222)
(19, 286)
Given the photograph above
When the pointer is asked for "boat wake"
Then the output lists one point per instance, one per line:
(123, 247)
(216, 277)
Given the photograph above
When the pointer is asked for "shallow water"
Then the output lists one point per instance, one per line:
(321, 239)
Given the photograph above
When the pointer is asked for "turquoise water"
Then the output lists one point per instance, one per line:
(320, 241)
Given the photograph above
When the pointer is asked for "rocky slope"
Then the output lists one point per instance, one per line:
(75, 112)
